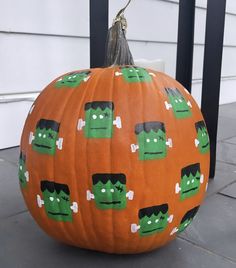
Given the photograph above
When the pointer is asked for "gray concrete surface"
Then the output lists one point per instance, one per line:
(209, 242)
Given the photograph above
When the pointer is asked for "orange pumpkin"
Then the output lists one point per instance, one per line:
(114, 159)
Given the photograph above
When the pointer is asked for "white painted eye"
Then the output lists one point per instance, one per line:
(74, 76)
(51, 198)
(149, 222)
(58, 200)
(192, 180)
(155, 140)
(176, 101)
(39, 134)
(157, 220)
(21, 168)
(137, 70)
(186, 224)
(101, 116)
(112, 190)
(94, 116)
(44, 136)
(147, 140)
(103, 190)
(180, 100)
(188, 182)
(131, 70)
(69, 77)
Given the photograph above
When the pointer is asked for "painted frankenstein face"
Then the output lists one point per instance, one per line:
(72, 79)
(202, 137)
(46, 136)
(179, 104)
(187, 219)
(56, 199)
(22, 173)
(109, 191)
(151, 140)
(153, 219)
(190, 181)
(134, 74)
(99, 118)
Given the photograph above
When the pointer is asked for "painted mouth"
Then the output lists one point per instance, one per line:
(98, 128)
(204, 146)
(153, 152)
(149, 231)
(182, 111)
(42, 146)
(57, 213)
(110, 203)
(192, 189)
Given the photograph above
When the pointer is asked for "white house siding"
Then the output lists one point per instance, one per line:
(42, 39)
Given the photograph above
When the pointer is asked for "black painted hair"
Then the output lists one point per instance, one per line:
(131, 66)
(148, 126)
(22, 156)
(99, 104)
(52, 186)
(190, 214)
(105, 177)
(153, 210)
(200, 125)
(48, 124)
(193, 169)
(87, 72)
(174, 92)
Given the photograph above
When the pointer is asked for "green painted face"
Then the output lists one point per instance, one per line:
(152, 145)
(109, 195)
(57, 205)
(184, 225)
(135, 74)
(72, 80)
(179, 104)
(189, 185)
(153, 224)
(203, 138)
(45, 141)
(99, 123)
(22, 173)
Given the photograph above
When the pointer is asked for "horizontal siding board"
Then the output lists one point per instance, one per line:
(43, 16)
(150, 20)
(33, 61)
(227, 91)
(39, 59)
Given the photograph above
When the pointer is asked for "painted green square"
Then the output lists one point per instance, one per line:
(56, 199)
(73, 79)
(179, 104)
(202, 137)
(133, 74)
(45, 137)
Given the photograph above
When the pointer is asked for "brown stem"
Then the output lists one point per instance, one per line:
(117, 48)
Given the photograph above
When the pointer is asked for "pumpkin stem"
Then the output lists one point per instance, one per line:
(117, 48)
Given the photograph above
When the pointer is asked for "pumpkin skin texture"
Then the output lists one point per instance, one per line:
(114, 159)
